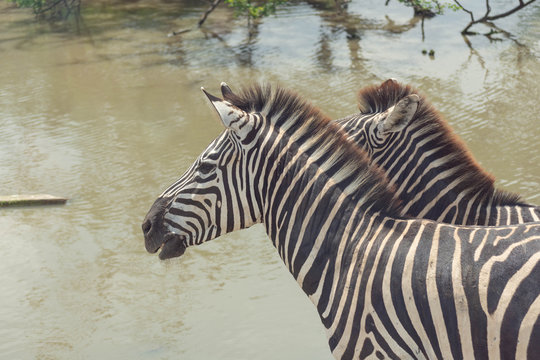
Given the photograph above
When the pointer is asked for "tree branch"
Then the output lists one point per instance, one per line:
(511, 11)
(214, 4)
(486, 16)
(201, 21)
(471, 23)
(488, 8)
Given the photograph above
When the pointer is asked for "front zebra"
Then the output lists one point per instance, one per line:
(434, 174)
(383, 285)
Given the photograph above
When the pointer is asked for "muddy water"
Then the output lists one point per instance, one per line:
(112, 115)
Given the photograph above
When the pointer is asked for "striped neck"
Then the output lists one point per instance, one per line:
(299, 142)
(315, 187)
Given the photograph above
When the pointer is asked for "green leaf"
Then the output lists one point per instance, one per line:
(256, 9)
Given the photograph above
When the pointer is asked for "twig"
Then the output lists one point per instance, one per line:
(178, 32)
(466, 29)
(214, 4)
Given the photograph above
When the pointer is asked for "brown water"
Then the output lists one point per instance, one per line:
(111, 116)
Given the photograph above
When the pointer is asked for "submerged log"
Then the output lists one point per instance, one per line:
(36, 199)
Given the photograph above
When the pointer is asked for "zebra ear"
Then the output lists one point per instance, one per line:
(231, 116)
(399, 115)
(226, 91)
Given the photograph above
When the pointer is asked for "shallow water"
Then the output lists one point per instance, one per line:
(111, 116)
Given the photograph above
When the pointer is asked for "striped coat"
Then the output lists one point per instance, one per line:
(384, 285)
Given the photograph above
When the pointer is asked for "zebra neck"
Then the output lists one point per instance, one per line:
(309, 184)
(321, 162)
(309, 219)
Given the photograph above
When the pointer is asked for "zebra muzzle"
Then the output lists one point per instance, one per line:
(174, 245)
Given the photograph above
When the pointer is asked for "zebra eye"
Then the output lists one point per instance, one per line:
(206, 168)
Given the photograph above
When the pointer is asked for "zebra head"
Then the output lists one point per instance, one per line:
(381, 119)
(210, 199)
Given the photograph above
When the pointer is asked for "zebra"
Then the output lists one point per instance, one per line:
(384, 285)
(435, 175)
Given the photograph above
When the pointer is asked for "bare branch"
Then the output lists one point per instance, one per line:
(465, 31)
(486, 17)
(511, 11)
(214, 4)
(463, 8)
(201, 21)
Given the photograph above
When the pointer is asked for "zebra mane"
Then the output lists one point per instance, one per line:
(343, 161)
(474, 179)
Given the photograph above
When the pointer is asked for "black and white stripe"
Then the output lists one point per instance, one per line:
(434, 174)
(385, 286)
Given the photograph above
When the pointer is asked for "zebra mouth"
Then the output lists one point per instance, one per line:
(174, 245)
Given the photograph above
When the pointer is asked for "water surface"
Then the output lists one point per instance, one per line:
(113, 114)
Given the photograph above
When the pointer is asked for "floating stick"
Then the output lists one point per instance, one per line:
(37, 199)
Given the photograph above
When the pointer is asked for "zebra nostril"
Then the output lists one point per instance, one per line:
(146, 226)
